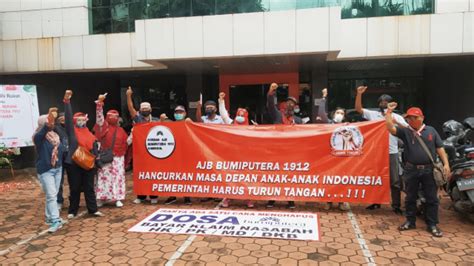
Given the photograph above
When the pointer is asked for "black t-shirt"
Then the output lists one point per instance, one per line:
(413, 151)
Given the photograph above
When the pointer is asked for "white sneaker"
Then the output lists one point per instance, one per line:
(98, 214)
(100, 203)
(70, 216)
(137, 201)
(154, 201)
(119, 204)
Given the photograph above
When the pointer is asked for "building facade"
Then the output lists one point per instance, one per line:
(421, 52)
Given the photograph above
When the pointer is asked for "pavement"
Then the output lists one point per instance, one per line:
(356, 237)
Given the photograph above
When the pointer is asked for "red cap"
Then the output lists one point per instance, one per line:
(414, 111)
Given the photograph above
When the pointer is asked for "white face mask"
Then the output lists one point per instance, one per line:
(338, 118)
(81, 123)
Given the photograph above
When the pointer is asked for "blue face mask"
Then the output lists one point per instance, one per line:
(240, 119)
(178, 117)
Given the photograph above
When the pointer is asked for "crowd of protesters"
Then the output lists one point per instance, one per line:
(95, 161)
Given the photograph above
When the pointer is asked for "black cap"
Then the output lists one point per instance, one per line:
(210, 102)
(385, 97)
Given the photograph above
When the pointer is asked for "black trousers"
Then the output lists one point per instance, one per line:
(413, 178)
(395, 182)
(80, 179)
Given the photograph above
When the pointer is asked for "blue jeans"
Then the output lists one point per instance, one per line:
(50, 181)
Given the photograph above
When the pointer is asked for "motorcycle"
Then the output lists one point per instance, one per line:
(460, 149)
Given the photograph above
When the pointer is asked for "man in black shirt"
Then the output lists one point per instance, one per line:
(419, 168)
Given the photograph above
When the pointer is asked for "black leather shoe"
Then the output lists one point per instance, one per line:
(435, 231)
(397, 211)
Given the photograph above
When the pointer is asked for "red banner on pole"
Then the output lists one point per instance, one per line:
(337, 163)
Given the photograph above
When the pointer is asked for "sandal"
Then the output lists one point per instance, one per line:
(435, 231)
(406, 226)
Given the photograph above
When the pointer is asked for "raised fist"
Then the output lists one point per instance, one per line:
(361, 89)
(163, 117)
(129, 91)
(68, 94)
(222, 96)
(101, 98)
(325, 92)
(273, 87)
(52, 115)
(392, 106)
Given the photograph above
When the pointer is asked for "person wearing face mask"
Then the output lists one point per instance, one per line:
(179, 115)
(284, 116)
(60, 129)
(210, 116)
(338, 116)
(110, 177)
(49, 163)
(241, 119)
(142, 116)
(79, 178)
(395, 180)
(418, 166)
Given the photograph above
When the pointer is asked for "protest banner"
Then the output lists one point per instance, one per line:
(338, 163)
(283, 225)
(18, 115)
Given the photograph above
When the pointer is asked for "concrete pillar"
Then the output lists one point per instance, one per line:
(319, 81)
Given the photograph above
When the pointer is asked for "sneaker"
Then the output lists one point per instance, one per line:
(344, 206)
(100, 203)
(271, 204)
(154, 201)
(291, 205)
(137, 201)
(98, 214)
(225, 203)
(118, 204)
(48, 222)
(327, 206)
(250, 204)
(187, 201)
(170, 200)
(71, 216)
(55, 227)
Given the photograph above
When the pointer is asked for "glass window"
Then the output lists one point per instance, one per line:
(203, 7)
(180, 8)
(276, 5)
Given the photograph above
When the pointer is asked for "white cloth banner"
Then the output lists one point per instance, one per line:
(18, 115)
(282, 225)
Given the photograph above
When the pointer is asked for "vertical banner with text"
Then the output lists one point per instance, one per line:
(338, 163)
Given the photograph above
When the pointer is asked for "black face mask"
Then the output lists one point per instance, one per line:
(210, 112)
(145, 113)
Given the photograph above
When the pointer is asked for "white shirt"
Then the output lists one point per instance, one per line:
(217, 120)
(377, 115)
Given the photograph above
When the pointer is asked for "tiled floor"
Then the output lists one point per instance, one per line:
(88, 240)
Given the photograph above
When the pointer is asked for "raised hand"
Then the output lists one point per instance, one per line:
(68, 94)
(361, 89)
(392, 106)
(221, 96)
(101, 98)
(129, 91)
(52, 115)
(325, 92)
(273, 88)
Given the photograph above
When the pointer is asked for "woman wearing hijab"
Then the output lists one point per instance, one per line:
(79, 178)
(49, 165)
(111, 176)
(241, 119)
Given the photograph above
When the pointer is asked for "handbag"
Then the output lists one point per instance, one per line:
(438, 169)
(83, 158)
(107, 155)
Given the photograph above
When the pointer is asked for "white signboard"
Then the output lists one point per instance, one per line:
(18, 115)
(262, 224)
